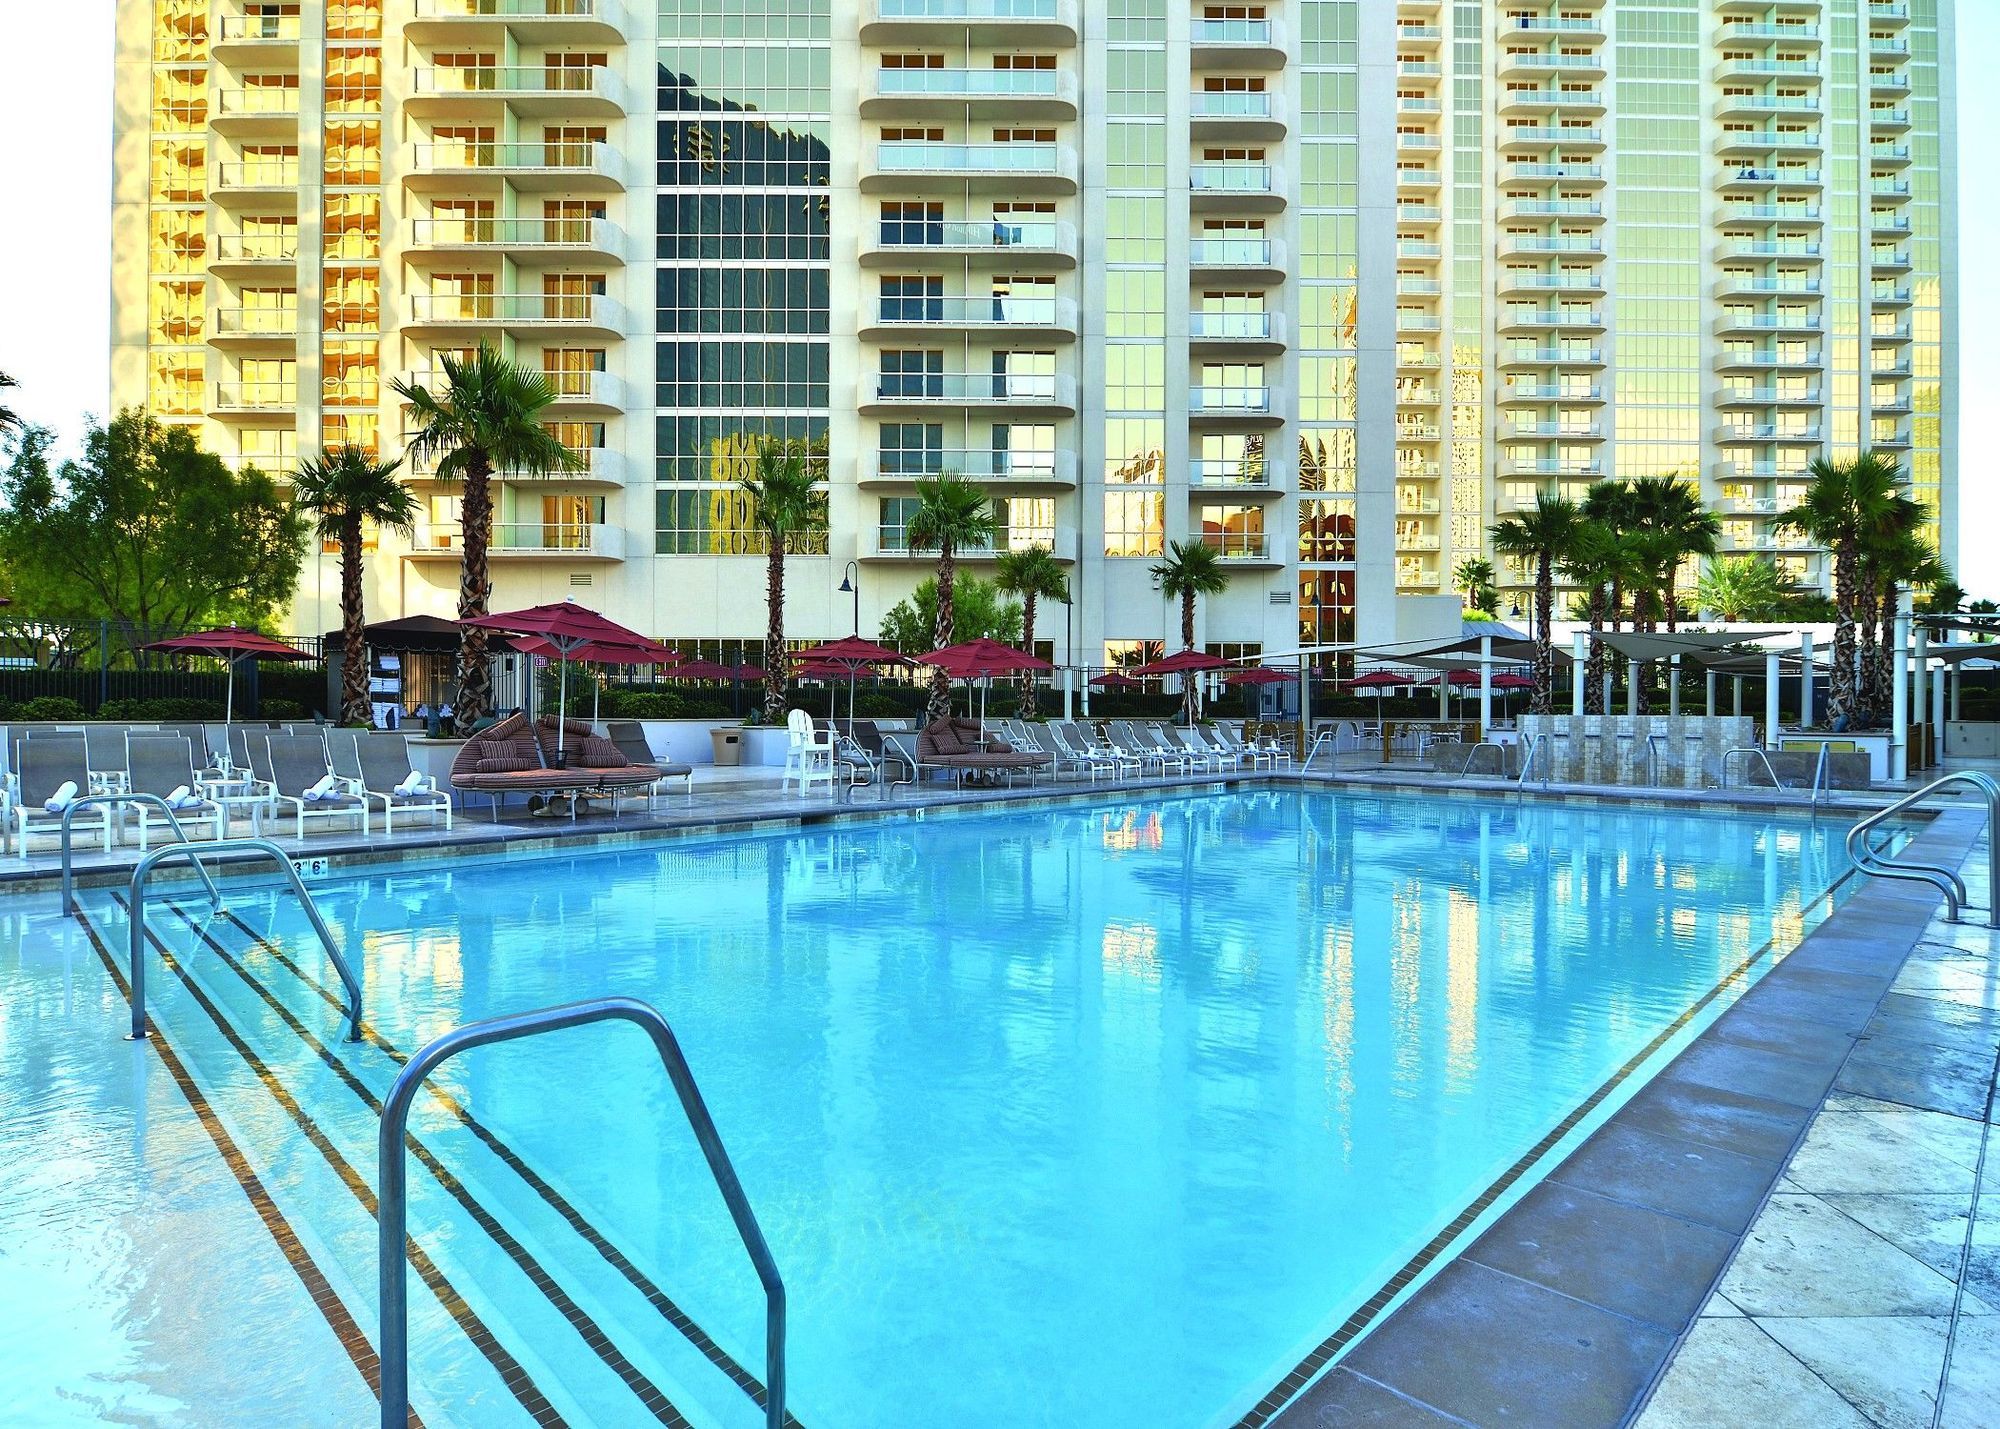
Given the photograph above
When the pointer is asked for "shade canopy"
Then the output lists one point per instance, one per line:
(1112, 680)
(416, 635)
(851, 653)
(231, 642)
(1183, 662)
(1380, 680)
(976, 659)
(705, 670)
(1256, 675)
(1663, 645)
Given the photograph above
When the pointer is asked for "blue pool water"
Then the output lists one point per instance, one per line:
(1077, 1114)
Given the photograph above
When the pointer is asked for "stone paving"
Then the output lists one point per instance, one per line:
(1867, 1291)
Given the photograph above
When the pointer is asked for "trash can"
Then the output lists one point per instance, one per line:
(727, 742)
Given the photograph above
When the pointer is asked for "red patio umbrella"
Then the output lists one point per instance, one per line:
(1184, 662)
(748, 674)
(568, 628)
(230, 643)
(600, 652)
(1463, 679)
(850, 655)
(1380, 680)
(1512, 681)
(1256, 675)
(982, 659)
(705, 670)
(1112, 680)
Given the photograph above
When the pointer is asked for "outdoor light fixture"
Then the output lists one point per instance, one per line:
(850, 584)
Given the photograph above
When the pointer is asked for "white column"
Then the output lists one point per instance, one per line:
(1805, 679)
(1579, 655)
(1631, 689)
(1069, 690)
(1937, 715)
(1485, 684)
(1673, 685)
(1771, 675)
(1920, 679)
(1708, 697)
(1899, 695)
(1736, 683)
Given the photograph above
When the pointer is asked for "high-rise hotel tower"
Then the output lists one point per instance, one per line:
(1332, 285)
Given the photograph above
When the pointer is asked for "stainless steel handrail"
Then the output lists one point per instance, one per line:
(69, 812)
(393, 1197)
(1473, 753)
(1868, 858)
(1534, 747)
(1822, 780)
(1776, 782)
(222, 850)
(1654, 742)
(1333, 731)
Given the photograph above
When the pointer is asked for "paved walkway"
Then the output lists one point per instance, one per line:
(1867, 1291)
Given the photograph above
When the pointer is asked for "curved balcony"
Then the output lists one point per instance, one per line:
(918, 166)
(253, 257)
(1804, 215)
(602, 468)
(1889, 81)
(1017, 469)
(1247, 114)
(262, 41)
(889, 545)
(1758, 142)
(1742, 433)
(1517, 394)
(1889, 154)
(577, 167)
(1888, 190)
(1244, 549)
(534, 22)
(1885, 223)
(1237, 187)
(1542, 245)
(1892, 295)
(1548, 64)
(1549, 176)
(1889, 260)
(1421, 251)
(1552, 468)
(1759, 34)
(981, 22)
(1751, 180)
(905, 318)
(980, 93)
(1888, 119)
(1768, 324)
(585, 393)
(1757, 250)
(1750, 360)
(1252, 334)
(528, 242)
(260, 183)
(1236, 44)
(1767, 107)
(531, 91)
(524, 315)
(254, 329)
(252, 402)
(1798, 395)
(1894, 437)
(1755, 285)
(1517, 139)
(1248, 260)
(1564, 210)
(261, 113)
(1224, 476)
(1530, 430)
(1418, 216)
(524, 541)
(1235, 407)
(1586, 283)
(1551, 100)
(1036, 394)
(1409, 141)
(1754, 69)
(1011, 243)
(1516, 356)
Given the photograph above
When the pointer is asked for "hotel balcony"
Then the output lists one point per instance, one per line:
(254, 329)
(1532, 431)
(1028, 394)
(1010, 23)
(1750, 505)
(1412, 358)
(901, 318)
(256, 41)
(1566, 210)
(1571, 282)
(1893, 404)
(1417, 506)
(1236, 44)
(1760, 433)
(1538, 245)
(531, 91)
(1413, 287)
(524, 541)
(1750, 250)
(1766, 541)
(1410, 142)
(1233, 407)
(1417, 397)
(1749, 180)
(1885, 367)
(1551, 100)
(1892, 438)
(1753, 360)
(251, 257)
(1417, 73)
(1012, 243)
(1542, 175)
(1757, 285)
(1418, 470)
(1417, 541)
(1251, 481)
(1257, 261)
(1418, 250)
(1889, 191)
(1535, 138)
(1418, 178)
(1415, 576)
(528, 242)
(920, 166)
(1798, 395)
(1547, 64)
(259, 183)
(1893, 49)
(1552, 468)
(1889, 154)
(1418, 37)
(262, 113)
(1755, 143)
(1896, 295)
(1244, 548)
(1887, 14)
(1247, 114)
(1754, 70)
(1885, 223)
(1543, 320)
(1019, 469)
(602, 468)
(1889, 81)
(1251, 334)
(1518, 356)
(1245, 188)
(1767, 107)
(1777, 324)
(529, 316)
(1803, 215)
(1888, 119)
(441, 23)
(1411, 320)
(585, 393)
(1516, 394)
(978, 93)
(889, 545)
(574, 167)
(255, 402)
(1759, 469)
(1889, 332)
(1757, 34)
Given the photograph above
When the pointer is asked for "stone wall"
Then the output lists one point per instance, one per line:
(1619, 749)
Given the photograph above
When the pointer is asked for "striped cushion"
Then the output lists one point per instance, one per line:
(503, 764)
(596, 752)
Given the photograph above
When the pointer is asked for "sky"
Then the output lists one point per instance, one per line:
(55, 241)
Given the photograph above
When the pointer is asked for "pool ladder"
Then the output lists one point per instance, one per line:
(1868, 857)
(393, 1192)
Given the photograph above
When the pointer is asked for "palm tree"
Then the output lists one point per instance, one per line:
(1609, 504)
(1739, 588)
(1034, 575)
(951, 514)
(1474, 576)
(485, 417)
(1545, 534)
(1192, 569)
(1844, 503)
(1946, 597)
(781, 485)
(10, 420)
(1594, 560)
(344, 489)
(1905, 559)
(1671, 510)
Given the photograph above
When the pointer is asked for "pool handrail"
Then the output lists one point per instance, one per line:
(1473, 753)
(1758, 750)
(222, 850)
(1333, 730)
(1869, 859)
(1654, 743)
(105, 800)
(392, 1198)
(1534, 745)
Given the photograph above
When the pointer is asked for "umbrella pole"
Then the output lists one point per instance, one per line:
(229, 710)
(562, 697)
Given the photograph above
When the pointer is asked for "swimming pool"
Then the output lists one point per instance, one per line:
(1082, 1113)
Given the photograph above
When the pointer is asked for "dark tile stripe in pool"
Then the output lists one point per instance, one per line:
(593, 1335)
(591, 1234)
(318, 1289)
(1365, 1316)
(512, 1373)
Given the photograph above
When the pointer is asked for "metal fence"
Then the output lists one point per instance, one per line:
(94, 664)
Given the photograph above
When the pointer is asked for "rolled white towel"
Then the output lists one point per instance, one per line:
(322, 790)
(63, 797)
(181, 797)
(412, 783)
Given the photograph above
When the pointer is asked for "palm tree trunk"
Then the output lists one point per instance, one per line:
(475, 589)
(939, 704)
(1841, 694)
(774, 630)
(1545, 658)
(1028, 703)
(354, 705)
(1190, 682)
(1672, 596)
(1593, 670)
(1869, 614)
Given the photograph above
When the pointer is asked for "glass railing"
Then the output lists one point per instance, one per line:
(1547, 134)
(258, 174)
(1228, 471)
(1781, 103)
(1749, 175)
(1546, 243)
(977, 463)
(903, 156)
(1554, 431)
(1548, 59)
(1231, 104)
(1771, 359)
(1771, 138)
(1030, 388)
(284, 28)
(578, 155)
(1239, 326)
(261, 99)
(1553, 207)
(1040, 235)
(1552, 355)
(1409, 248)
(256, 247)
(968, 83)
(521, 232)
(1230, 252)
(1237, 545)
(1753, 30)
(967, 9)
(1781, 67)
(513, 79)
(1417, 322)
(1553, 317)
(1806, 286)
(974, 311)
(1549, 392)
(1553, 98)
(1773, 248)
(256, 322)
(526, 9)
(1230, 178)
(1418, 142)
(1227, 400)
(1553, 171)
(1770, 395)
(588, 308)
(1794, 212)
(1900, 117)
(256, 395)
(1550, 282)
(1231, 32)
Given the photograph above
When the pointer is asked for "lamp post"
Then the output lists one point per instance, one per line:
(850, 584)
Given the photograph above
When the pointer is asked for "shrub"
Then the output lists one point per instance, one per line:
(166, 707)
(49, 707)
(659, 704)
(280, 709)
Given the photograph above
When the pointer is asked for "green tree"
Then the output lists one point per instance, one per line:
(1474, 577)
(148, 531)
(10, 420)
(1670, 513)
(1845, 504)
(1191, 569)
(1894, 560)
(344, 490)
(1610, 504)
(485, 417)
(1742, 588)
(951, 515)
(1945, 597)
(1033, 574)
(780, 482)
(1543, 535)
(979, 612)
(1593, 560)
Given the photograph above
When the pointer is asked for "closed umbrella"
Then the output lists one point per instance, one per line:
(230, 643)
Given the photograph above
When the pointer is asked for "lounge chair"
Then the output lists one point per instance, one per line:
(509, 757)
(1150, 754)
(297, 765)
(158, 765)
(629, 737)
(1043, 737)
(1082, 741)
(1232, 739)
(47, 763)
(104, 748)
(377, 767)
(958, 745)
(1271, 740)
(1212, 753)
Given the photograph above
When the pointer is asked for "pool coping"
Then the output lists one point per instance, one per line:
(1569, 1308)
